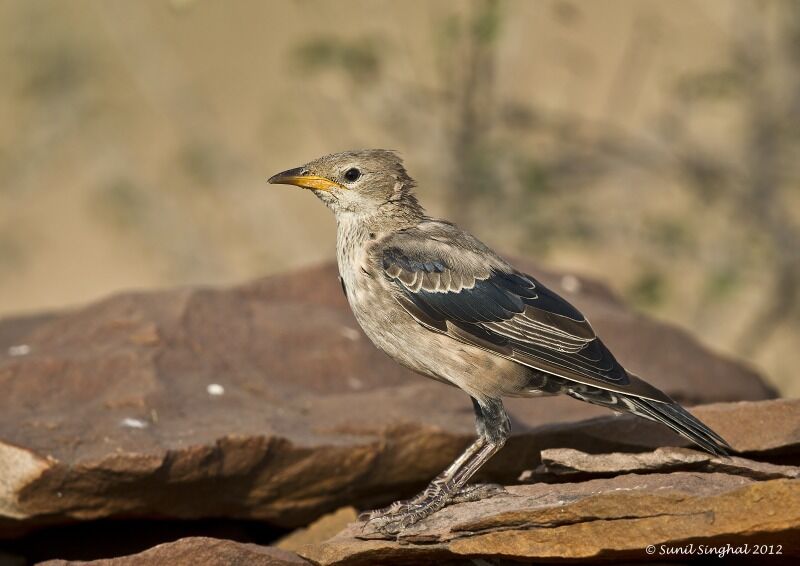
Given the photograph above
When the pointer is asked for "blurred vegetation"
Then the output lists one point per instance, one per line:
(11, 253)
(121, 204)
(358, 58)
(649, 289)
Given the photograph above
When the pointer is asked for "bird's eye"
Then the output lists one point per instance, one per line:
(352, 174)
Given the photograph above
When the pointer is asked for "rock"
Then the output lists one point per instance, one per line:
(566, 464)
(602, 519)
(319, 531)
(266, 402)
(196, 551)
(766, 428)
(763, 430)
(14, 330)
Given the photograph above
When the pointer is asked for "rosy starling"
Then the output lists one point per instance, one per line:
(439, 301)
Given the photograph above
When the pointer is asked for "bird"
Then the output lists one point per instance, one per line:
(440, 302)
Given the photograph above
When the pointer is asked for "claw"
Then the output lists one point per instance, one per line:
(400, 515)
(392, 509)
(476, 492)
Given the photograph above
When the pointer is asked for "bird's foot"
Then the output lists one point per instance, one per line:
(400, 515)
(476, 492)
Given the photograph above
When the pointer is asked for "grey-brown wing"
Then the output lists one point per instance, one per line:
(504, 311)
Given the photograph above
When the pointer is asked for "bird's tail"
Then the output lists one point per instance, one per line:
(666, 412)
(681, 421)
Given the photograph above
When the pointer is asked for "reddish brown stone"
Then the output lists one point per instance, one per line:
(199, 551)
(605, 519)
(265, 401)
(566, 464)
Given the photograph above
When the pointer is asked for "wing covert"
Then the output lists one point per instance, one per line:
(499, 309)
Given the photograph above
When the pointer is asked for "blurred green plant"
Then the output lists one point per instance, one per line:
(534, 178)
(468, 44)
(710, 84)
(203, 164)
(671, 235)
(358, 58)
(55, 70)
(12, 254)
(485, 25)
(721, 283)
(121, 205)
(649, 289)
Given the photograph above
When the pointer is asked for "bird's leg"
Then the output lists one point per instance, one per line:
(493, 429)
(441, 478)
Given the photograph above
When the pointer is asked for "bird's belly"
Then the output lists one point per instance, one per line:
(392, 329)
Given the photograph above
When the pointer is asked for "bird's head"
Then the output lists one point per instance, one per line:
(364, 182)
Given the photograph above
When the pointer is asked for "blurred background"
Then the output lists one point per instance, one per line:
(654, 145)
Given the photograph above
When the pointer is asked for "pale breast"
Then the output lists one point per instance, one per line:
(392, 329)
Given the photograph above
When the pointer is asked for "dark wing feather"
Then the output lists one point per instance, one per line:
(504, 311)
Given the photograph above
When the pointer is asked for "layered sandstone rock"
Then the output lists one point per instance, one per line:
(265, 401)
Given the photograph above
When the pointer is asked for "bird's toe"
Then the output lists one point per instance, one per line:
(400, 515)
(477, 491)
(393, 509)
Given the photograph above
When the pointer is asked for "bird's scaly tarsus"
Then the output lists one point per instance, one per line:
(449, 487)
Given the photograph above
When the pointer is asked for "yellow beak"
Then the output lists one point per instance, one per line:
(300, 178)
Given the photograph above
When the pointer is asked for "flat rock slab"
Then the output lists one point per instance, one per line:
(265, 401)
(199, 551)
(603, 519)
(566, 464)
(319, 531)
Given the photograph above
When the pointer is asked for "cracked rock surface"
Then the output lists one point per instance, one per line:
(199, 551)
(610, 519)
(265, 401)
(566, 464)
